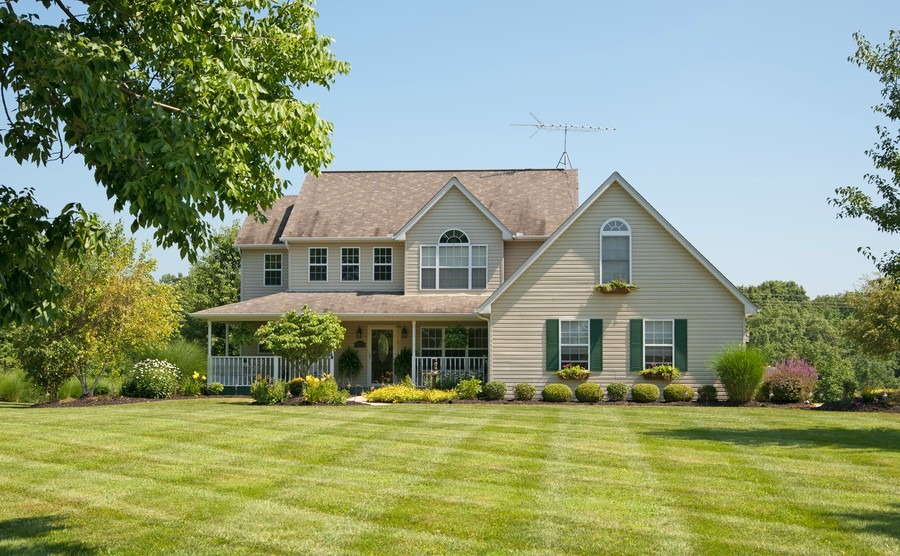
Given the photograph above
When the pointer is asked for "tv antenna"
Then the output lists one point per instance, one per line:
(564, 160)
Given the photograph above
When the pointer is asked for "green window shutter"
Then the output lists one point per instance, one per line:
(552, 344)
(636, 338)
(596, 347)
(681, 345)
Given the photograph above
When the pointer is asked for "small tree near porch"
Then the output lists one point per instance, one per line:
(302, 338)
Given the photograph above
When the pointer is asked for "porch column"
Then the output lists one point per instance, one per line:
(227, 352)
(415, 370)
(209, 340)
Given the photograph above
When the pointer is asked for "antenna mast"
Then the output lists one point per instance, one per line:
(564, 160)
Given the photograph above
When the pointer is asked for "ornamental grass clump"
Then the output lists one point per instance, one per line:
(15, 386)
(152, 378)
(790, 381)
(740, 370)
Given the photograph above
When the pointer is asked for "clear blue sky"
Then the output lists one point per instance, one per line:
(735, 121)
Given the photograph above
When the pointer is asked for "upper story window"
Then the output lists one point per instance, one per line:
(272, 269)
(615, 251)
(349, 264)
(382, 264)
(318, 264)
(453, 264)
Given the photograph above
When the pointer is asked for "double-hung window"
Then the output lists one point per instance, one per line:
(574, 342)
(318, 264)
(659, 343)
(615, 251)
(383, 259)
(272, 270)
(349, 264)
(453, 264)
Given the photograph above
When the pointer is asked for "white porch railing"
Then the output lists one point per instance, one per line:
(447, 371)
(244, 370)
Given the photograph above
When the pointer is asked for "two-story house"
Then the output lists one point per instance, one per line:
(508, 254)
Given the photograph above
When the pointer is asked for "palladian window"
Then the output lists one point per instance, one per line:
(615, 251)
(453, 264)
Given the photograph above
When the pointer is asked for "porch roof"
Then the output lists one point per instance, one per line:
(348, 305)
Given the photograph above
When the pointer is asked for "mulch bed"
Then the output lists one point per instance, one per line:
(94, 401)
(857, 406)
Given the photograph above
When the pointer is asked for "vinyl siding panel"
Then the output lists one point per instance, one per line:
(453, 211)
(673, 285)
(252, 277)
(300, 268)
(517, 252)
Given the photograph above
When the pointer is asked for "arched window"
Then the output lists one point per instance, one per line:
(453, 264)
(615, 251)
(454, 236)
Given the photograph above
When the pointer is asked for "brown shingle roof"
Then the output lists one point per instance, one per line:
(378, 204)
(254, 232)
(347, 303)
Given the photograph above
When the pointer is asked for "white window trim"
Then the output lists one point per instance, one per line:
(280, 271)
(630, 245)
(437, 266)
(644, 343)
(560, 342)
(444, 348)
(358, 264)
(309, 265)
(374, 264)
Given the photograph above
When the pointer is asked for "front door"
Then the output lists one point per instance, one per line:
(382, 355)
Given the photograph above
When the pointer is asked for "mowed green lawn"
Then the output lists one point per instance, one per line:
(221, 476)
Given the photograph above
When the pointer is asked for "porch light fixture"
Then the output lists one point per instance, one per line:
(358, 332)
(403, 333)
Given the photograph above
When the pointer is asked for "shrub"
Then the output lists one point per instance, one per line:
(151, 378)
(678, 393)
(400, 393)
(849, 387)
(403, 363)
(588, 393)
(215, 388)
(103, 388)
(661, 372)
(494, 390)
(524, 392)
(645, 393)
(469, 388)
(264, 393)
(707, 394)
(295, 386)
(15, 386)
(792, 380)
(556, 393)
(617, 392)
(70, 389)
(323, 391)
(886, 395)
(192, 385)
(740, 370)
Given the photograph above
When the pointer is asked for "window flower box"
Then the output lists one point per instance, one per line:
(616, 286)
(573, 372)
(667, 373)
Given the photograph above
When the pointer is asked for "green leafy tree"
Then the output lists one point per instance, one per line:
(182, 110)
(883, 60)
(213, 280)
(875, 324)
(112, 309)
(304, 337)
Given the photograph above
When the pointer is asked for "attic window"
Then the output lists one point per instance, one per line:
(615, 251)
(454, 236)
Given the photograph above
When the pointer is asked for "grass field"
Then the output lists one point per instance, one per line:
(213, 476)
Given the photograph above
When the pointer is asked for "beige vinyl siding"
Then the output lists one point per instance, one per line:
(673, 285)
(517, 252)
(453, 211)
(300, 267)
(252, 272)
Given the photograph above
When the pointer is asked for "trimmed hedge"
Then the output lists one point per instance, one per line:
(494, 390)
(588, 393)
(678, 393)
(617, 392)
(556, 393)
(644, 393)
(524, 392)
(707, 394)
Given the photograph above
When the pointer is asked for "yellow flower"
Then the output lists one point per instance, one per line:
(196, 376)
(203, 377)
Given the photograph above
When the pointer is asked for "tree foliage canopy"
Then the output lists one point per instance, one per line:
(883, 60)
(875, 325)
(180, 109)
(304, 337)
